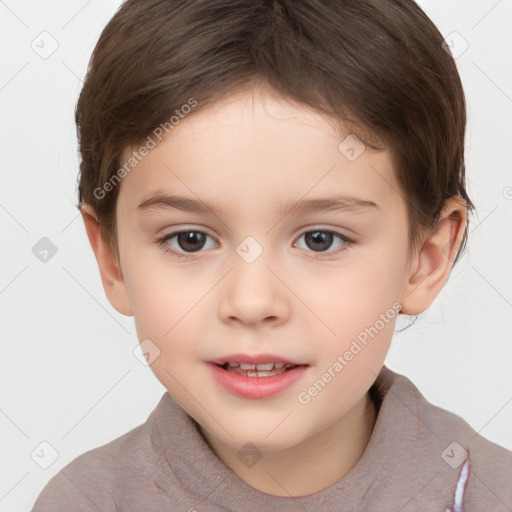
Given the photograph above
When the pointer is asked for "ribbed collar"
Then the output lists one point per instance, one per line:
(402, 462)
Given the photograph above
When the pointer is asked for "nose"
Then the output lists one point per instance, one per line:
(253, 294)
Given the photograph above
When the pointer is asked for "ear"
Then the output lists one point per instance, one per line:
(431, 266)
(110, 269)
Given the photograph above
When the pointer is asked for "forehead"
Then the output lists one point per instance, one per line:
(258, 145)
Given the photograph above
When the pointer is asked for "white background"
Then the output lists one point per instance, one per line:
(68, 374)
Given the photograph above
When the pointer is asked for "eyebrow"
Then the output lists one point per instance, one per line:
(161, 201)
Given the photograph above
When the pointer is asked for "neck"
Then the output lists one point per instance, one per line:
(333, 453)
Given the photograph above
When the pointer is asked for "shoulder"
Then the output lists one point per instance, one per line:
(486, 456)
(94, 479)
(489, 465)
(445, 435)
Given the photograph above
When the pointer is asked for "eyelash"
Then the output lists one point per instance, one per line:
(166, 248)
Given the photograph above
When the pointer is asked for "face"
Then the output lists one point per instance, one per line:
(249, 279)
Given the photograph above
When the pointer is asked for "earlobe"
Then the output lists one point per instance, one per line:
(430, 268)
(111, 275)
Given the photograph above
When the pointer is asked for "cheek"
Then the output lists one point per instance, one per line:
(359, 304)
(363, 319)
(355, 297)
(165, 305)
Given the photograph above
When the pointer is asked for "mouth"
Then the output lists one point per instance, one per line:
(257, 370)
(260, 376)
(258, 365)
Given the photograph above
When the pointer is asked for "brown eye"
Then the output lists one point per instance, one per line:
(191, 241)
(319, 240)
(187, 242)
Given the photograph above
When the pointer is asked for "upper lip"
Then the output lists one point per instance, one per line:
(254, 359)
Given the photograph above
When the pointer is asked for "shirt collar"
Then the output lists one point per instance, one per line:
(389, 466)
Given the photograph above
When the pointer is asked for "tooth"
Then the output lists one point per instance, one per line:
(244, 366)
(232, 364)
(267, 374)
(252, 374)
(265, 366)
(278, 365)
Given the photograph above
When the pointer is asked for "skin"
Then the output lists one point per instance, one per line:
(247, 153)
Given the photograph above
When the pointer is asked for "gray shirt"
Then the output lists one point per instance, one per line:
(416, 460)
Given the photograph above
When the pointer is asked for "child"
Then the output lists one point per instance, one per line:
(264, 128)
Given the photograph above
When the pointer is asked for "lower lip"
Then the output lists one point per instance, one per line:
(256, 387)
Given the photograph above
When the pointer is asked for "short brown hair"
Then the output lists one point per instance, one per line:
(376, 65)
